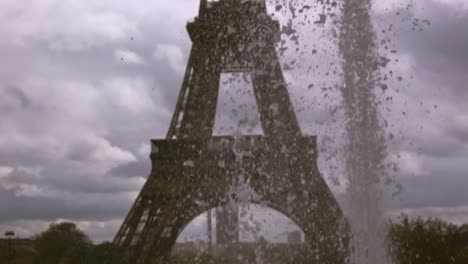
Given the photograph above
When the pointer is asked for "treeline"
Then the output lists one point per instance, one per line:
(412, 241)
(63, 243)
(428, 241)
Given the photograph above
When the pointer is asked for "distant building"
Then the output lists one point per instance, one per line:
(227, 225)
(188, 247)
(295, 237)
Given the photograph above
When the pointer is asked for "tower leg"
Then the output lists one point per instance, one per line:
(202, 98)
(276, 111)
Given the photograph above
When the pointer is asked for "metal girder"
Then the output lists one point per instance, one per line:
(192, 171)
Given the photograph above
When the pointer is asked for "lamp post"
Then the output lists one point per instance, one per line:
(9, 234)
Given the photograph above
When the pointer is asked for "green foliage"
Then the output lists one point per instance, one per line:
(413, 241)
(78, 254)
(62, 243)
(429, 241)
(22, 251)
(107, 253)
(462, 257)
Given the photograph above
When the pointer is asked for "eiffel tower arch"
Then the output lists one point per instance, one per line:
(193, 171)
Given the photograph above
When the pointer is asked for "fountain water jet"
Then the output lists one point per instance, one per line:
(365, 148)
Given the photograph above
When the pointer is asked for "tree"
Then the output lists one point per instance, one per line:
(462, 257)
(107, 253)
(62, 243)
(420, 241)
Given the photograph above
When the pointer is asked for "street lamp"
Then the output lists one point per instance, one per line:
(9, 234)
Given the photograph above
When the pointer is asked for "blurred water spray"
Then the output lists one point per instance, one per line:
(365, 149)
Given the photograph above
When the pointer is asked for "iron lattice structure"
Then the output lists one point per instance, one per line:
(193, 171)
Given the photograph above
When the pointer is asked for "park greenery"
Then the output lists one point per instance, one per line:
(65, 243)
(428, 241)
(411, 241)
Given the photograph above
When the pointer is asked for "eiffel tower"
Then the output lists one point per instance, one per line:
(193, 171)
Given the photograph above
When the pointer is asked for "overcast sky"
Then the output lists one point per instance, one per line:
(84, 86)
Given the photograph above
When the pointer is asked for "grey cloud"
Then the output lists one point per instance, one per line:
(94, 208)
(66, 178)
(19, 95)
(435, 190)
(139, 168)
(442, 146)
(440, 49)
(459, 129)
(74, 183)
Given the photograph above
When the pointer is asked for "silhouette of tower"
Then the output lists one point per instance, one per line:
(193, 171)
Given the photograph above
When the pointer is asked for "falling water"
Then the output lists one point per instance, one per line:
(365, 146)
